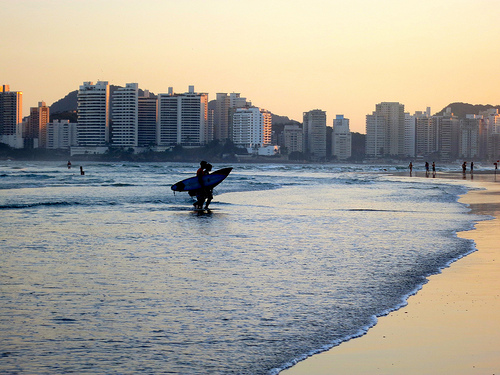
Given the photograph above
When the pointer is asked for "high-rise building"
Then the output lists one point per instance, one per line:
(447, 126)
(410, 135)
(387, 124)
(314, 130)
(293, 138)
(252, 127)
(426, 133)
(93, 114)
(221, 117)
(341, 138)
(125, 122)
(36, 129)
(147, 118)
(182, 119)
(11, 117)
(61, 134)
(469, 136)
(376, 134)
(225, 106)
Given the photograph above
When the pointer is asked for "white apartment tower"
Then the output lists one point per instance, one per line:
(314, 130)
(376, 125)
(410, 135)
(61, 134)
(182, 119)
(341, 138)
(252, 127)
(125, 117)
(93, 114)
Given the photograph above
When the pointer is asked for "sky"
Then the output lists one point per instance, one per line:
(287, 56)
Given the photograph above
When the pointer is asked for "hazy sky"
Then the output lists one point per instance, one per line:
(287, 56)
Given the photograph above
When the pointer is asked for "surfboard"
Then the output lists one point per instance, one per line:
(210, 180)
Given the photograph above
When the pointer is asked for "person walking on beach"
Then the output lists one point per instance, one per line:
(411, 167)
(496, 165)
(464, 167)
(426, 169)
(433, 169)
(471, 167)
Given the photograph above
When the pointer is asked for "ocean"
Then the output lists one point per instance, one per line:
(113, 273)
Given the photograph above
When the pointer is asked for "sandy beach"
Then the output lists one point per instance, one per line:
(451, 326)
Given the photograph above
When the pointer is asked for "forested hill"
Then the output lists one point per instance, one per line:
(462, 109)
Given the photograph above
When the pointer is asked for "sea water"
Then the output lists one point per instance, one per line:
(112, 273)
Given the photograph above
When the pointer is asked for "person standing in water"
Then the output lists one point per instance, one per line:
(411, 167)
(433, 169)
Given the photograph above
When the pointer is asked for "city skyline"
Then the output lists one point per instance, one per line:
(287, 57)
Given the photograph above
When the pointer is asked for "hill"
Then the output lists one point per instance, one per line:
(463, 109)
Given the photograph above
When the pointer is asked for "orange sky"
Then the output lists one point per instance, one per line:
(285, 56)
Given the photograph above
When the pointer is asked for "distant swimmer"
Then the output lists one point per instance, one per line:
(81, 170)
(69, 164)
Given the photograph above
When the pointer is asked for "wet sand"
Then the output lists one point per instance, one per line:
(451, 326)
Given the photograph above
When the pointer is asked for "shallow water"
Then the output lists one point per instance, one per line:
(112, 273)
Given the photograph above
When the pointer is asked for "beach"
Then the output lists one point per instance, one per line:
(451, 326)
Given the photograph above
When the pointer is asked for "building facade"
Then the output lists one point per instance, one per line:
(293, 138)
(182, 119)
(125, 116)
(61, 134)
(252, 127)
(36, 129)
(147, 116)
(93, 114)
(11, 117)
(341, 138)
(314, 133)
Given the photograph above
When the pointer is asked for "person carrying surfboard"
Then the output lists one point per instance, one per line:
(203, 193)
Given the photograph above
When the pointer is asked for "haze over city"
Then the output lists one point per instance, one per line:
(286, 56)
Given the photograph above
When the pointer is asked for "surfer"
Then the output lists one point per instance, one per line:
(69, 164)
(203, 193)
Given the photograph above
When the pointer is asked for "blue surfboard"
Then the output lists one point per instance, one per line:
(210, 180)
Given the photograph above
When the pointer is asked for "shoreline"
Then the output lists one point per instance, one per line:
(450, 326)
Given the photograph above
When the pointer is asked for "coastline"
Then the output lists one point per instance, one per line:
(450, 326)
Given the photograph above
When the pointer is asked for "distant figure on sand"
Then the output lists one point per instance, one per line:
(464, 167)
(471, 167)
(426, 169)
(433, 169)
(496, 165)
(69, 164)
(411, 167)
(81, 170)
